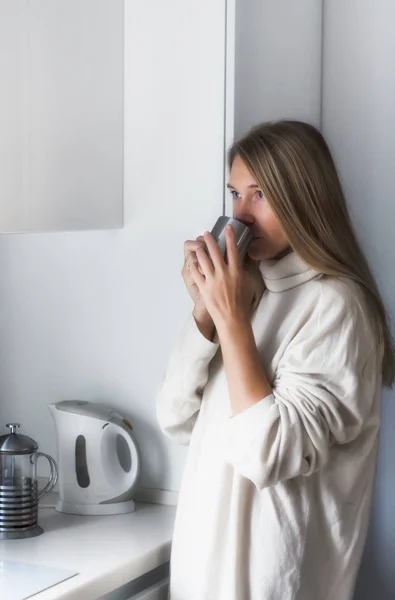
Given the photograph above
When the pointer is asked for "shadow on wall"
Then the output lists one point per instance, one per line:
(377, 574)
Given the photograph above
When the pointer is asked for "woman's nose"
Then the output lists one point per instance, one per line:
(243, 215)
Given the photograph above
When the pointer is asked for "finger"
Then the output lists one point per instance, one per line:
(192, 246)
(214, 251)
(190, 260)
(197, 276)
(205, 263)
(231, 248)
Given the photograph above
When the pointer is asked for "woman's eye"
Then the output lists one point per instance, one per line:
(236, 195)
(260, 194)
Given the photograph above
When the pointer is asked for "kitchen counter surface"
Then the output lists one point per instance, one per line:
(106, 552)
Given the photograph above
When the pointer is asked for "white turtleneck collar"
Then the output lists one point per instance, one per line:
(286, 273)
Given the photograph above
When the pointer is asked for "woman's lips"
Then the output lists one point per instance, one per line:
(257, 240)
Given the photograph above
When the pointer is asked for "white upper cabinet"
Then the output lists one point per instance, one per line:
(61, 115)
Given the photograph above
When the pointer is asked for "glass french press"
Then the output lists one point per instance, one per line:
(19, 494)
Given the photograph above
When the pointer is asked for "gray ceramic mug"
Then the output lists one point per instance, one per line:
(243, 233)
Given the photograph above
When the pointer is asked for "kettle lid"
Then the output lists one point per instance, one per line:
(85, 409)
(15, 443)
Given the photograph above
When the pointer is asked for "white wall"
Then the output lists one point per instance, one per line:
(359, 123)
(93, 315)
(278, 61)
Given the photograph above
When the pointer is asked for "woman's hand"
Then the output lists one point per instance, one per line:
(225, 288)
(200, 312)
(227, 291)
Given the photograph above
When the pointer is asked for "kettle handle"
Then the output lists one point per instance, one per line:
(135, 459)
(53, 476)
(121, 480)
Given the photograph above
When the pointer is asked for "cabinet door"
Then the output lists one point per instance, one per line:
(159, 591)
(61, 115)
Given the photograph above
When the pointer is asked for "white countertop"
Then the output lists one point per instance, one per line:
(105, 551)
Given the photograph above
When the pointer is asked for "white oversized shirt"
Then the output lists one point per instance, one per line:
(274, 501)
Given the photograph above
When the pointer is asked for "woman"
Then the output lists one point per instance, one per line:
(282, 414)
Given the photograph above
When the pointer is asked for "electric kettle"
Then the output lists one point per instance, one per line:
(98, 459)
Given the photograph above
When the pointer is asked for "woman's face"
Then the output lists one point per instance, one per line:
(251, 207)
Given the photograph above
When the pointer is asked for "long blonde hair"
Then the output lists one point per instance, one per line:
(292, 163)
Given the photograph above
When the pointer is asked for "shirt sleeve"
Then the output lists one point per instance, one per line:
(179, 397)
(323, 392)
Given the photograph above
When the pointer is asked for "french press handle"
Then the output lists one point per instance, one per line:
(53, 476)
